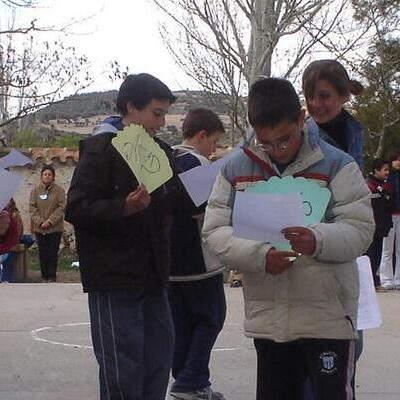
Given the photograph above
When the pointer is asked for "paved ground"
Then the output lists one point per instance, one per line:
(45, 349)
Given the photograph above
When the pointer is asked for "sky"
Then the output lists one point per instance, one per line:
(121, 30)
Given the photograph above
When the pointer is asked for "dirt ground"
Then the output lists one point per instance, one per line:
(33, 276)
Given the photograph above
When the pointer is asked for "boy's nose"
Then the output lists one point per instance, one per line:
(162, 121)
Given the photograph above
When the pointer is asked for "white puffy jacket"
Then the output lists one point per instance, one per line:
(318, 296)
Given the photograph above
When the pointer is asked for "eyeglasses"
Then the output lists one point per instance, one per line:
(268, 147)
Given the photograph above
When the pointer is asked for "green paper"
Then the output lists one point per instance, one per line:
(315, 198)
(144, 156)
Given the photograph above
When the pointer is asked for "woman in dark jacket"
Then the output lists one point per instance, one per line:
(327, 87)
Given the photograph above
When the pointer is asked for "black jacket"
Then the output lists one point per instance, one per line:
(382, 205)
(117, 252)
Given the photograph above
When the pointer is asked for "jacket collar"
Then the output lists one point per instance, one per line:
(43, 186)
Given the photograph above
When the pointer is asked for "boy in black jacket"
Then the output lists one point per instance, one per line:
(123, 250)
(382, 207)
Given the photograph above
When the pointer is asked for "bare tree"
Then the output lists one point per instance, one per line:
(225, 45)
(35, 73)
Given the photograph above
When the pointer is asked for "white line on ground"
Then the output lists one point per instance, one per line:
(35, 335)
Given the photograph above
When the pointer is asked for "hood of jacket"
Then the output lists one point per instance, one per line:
(110, 124)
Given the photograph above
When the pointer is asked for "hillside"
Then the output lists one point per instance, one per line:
(87, 105)
(79, 115)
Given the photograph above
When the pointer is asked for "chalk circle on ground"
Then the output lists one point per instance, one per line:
(36, 335)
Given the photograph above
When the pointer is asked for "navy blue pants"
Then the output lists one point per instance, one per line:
(375, 255)
(283, 368)
(133, 337)
(198, 311)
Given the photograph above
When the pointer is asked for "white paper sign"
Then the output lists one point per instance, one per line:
(369, 315)
(9, 183)
(261, 217)
(13, 159)
(199, 181)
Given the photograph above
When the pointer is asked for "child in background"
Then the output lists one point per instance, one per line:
(391, 243)
(196, 291)
(382, 206)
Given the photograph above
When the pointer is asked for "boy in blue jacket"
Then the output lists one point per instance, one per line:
(196, 292)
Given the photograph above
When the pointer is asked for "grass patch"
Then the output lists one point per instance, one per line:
(65, 258)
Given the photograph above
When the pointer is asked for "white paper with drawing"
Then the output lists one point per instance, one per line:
(261, 217)
(145, 157)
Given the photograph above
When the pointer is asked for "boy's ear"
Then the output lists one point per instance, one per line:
(201, 134)
(130, 107)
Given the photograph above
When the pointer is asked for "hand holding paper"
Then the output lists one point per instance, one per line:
(137, 200)
(301, 239)
(279, 261)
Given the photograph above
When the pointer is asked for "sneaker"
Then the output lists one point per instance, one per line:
(236, 283)
(381, 289)
(203, 394)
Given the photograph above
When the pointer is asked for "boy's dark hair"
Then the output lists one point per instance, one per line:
(333, 72)
(378, 163)
(48, 168)
(140, 90)
(201, 119)
(394, 156)
(271, 102)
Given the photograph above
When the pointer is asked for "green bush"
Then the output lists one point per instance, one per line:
(69, 141)
(27, 138)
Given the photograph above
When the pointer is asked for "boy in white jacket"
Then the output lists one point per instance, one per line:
(302, 314)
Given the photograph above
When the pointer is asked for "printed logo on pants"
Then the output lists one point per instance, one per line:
(328, 362)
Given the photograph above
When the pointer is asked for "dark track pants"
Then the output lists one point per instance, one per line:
(133, 337)
(282, 369)
(198, 310)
